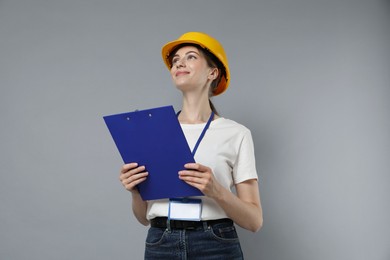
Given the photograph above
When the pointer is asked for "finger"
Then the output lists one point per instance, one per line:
(196, 184)
(193, 166)
(125, 168)
(136, 177)
(133, 185)
(131, 172)
(197, 167)
(194, 173)
(193, 178)
(140, 179)
(134, 180)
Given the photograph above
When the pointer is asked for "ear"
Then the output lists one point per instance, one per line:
(214, 72)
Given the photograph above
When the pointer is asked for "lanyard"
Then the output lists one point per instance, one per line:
(203, 132)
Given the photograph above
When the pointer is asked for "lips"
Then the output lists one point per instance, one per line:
(180, 73)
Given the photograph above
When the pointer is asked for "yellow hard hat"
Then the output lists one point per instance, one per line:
(207, 42)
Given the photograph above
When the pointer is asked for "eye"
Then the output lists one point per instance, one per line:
(191, 57)
(175, 60)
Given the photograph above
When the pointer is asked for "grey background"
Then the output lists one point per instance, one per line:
(309, 78)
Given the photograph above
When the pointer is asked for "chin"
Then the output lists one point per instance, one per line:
(183, 87)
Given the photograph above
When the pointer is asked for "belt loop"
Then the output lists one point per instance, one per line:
(168, 224)
(205, 225)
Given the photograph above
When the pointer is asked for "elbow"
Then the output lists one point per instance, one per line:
(144, 222)
(260, 225)
(257, 225)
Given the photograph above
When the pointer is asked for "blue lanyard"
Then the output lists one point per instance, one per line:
(203, 132)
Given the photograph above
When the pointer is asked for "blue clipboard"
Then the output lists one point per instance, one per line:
(154, 138)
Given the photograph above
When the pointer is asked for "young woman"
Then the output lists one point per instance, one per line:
(224, 162)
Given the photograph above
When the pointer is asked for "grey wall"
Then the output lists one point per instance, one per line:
(310, 78)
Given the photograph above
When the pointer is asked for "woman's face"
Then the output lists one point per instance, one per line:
(190, 71)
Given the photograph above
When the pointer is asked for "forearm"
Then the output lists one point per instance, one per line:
(246, 214)
(139, 207)
(244, 209)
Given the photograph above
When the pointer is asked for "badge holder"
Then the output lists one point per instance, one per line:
(185, 209)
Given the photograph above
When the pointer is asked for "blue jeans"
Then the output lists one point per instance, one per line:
(219, 241)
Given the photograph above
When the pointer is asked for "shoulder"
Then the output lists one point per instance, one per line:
(228, 124)
(224, 128)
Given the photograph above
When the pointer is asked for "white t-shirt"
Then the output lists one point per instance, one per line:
(227, 148)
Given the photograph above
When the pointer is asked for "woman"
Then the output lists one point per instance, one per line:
(224, 160)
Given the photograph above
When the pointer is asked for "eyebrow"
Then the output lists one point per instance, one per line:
(186, 53)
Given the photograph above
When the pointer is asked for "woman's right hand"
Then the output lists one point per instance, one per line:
(131, 175)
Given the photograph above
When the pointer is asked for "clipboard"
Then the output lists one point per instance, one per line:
(154, 138)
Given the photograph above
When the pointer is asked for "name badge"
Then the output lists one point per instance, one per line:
(185, 209)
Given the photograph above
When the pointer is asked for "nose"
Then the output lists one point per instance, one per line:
(180, 63)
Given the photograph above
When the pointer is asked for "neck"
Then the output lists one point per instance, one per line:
(195, 110)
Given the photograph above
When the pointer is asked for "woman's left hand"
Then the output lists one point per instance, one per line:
(202, 178)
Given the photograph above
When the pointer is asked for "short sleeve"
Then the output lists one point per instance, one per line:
(244, 167)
